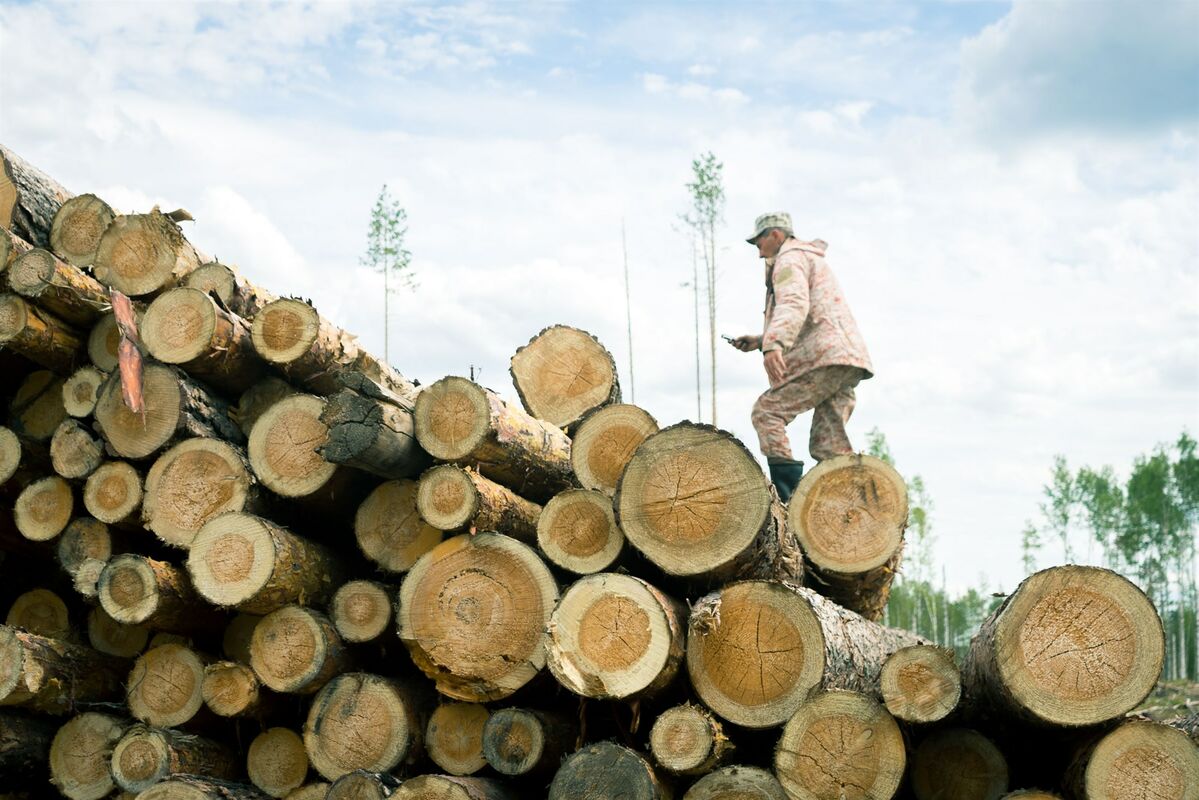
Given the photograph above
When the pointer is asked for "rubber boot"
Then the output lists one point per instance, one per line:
(785, 474)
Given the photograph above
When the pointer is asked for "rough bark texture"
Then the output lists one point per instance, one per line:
(75, 452)
(77, 227)
(228, 285)
(12, 247)
(454, 737)
(137, 590)
(36, 409)
(563, 374)
(453, 498)
(688, 740)
(146, 756)
(296, 650)
(141, 254)
(63, 289)
(607, 769)
(53, 676)
(24, 746)
(526, 741)
(460, 421)
(372, 435)
(29, 198)
(188, 328)
(38, 335)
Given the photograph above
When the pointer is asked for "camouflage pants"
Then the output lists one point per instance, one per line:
(828, 390)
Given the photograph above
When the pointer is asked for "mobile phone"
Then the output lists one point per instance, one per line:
(728, 339)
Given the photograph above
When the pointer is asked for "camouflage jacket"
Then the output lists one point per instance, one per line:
(806, 314)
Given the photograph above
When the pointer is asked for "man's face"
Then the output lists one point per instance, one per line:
(769, 243)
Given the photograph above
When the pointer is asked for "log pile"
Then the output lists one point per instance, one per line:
(293, 573)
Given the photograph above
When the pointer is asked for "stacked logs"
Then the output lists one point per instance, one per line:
(293, 573)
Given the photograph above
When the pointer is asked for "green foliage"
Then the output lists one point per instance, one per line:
(386, 253)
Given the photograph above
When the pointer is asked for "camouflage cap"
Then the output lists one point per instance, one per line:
(773, 219)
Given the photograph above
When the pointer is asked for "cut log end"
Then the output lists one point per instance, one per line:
(921, 684)
(452, 418)
(77, 228)
(284, 330)
(103, 341)
(41, 611)
(75, 452)
(107, 635)
(737, 783)
(129, 588)
(192, 787)
(606, 769)
(687, 740)
(521, 741)
(138, 435)
(253, 402)
(564, 373)
(140, 254)
(146, 756)
(1142, 759)
(296, 650)
(230, 689)
(447, 498)
(837, 740)
(604, 443)
(390, 531)
(84, 538)
(10, 454)
(277, 762)
(283, 447)
(44, 508)
(959, 763)
(577, 531)
(232, 558)
(113, 493)
(178, 325)
(361, 610)
(214, 278)
(454, 737)
(195, 481)
(363, 785)
(38, 335)
(80, 391)
(360, 721)
(165, 685)
(447, 787)
(36, 409)
(80, 755)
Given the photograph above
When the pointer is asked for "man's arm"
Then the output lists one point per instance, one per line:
(791, 302)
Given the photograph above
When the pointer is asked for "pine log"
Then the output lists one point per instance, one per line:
(38, 335)
(604, 442)
(77, 227)
(24, 746)
(44, 508)
(249, 563)
(737, 783)
(12, 247)
(141, 254)
(688, 740)
(66, 291)
(1137, 759)
(195, 482)
(194, 787)
(373, 435)
(312, 352)
(920, 684)
(146, 756)
(694, 501)
(361, 610)
(253, 402)
(757, 649)
(958, 763)
(79, 391)
(840, 741)
(577, 531)
(473, 613)
(231, 689)
(1072, 646)
(615, 637)
(363, 721)
(165, 685)
(448, 787)
(114, 638)
(29, 198)
(75, 452)
(42, 612)
(137, 590)
(563, 374)
(21, 462)
(113, 494)
(390, 531)
(849, 514)
(176, 408)
(363, 785)
(235, 293)
(454, 737)
(52, 676)
(607, 769)
(276, 761)
(103, 340)
(80, 755)
(453, 498)
(186, 327)
(458, 420)
(527, 741)
(296, 650)
(36, 409)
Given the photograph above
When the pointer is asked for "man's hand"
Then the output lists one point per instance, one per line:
(776, 367)
(747, 343)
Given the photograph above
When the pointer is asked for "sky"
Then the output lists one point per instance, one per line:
(1009, 190)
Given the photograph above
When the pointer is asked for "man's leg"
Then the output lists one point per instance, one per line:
(771, 415)
(828, 437)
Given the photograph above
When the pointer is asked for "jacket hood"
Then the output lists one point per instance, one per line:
(816, 246)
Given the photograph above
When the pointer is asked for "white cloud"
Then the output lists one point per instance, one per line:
(726, 96)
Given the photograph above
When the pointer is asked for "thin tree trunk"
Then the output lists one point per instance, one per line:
(699, 414)
(711, 259)
(628, 310)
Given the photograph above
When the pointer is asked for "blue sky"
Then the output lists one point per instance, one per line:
(1010, 191)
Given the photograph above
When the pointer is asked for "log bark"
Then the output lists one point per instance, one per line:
(607, 769)
(361, 610)
(363, 785)
(839, 740)
(137, 590)
(921, 684)
(312, 352)
(577, 531)
(448, 787)
(114, 638)
(454, 737)
(741, 783)
(849, 514)
(24, 746)
(79, 391)
(363, 721)
(38, 335)
(66, 291)
(146, 756)
(960, 763)
(80, 755)
(527, 741)
(44, 508)
(694, 501)
(42, 612)
(245, 562)
(195, 482)
(372, 435)
(688, 740)
(77, 227)
(113, 494)
(192, 787)
(276, 761)
(453, 498)
(253, 402)
(459, 421)
(234, 292)
(176, 408)
(1137, 759)
(29, 198)
(186, 327)
(604, 442)
(563, 374)
(164, 686)
(52, 676)
(142, 254)
(1072, 646)
(75, 452)
(297, 650)
(756, 650)
(12, 247)
(473, 614)
(615, 637)
(231, 689)
(390, 531)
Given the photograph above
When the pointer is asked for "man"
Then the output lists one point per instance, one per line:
(811, 348)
